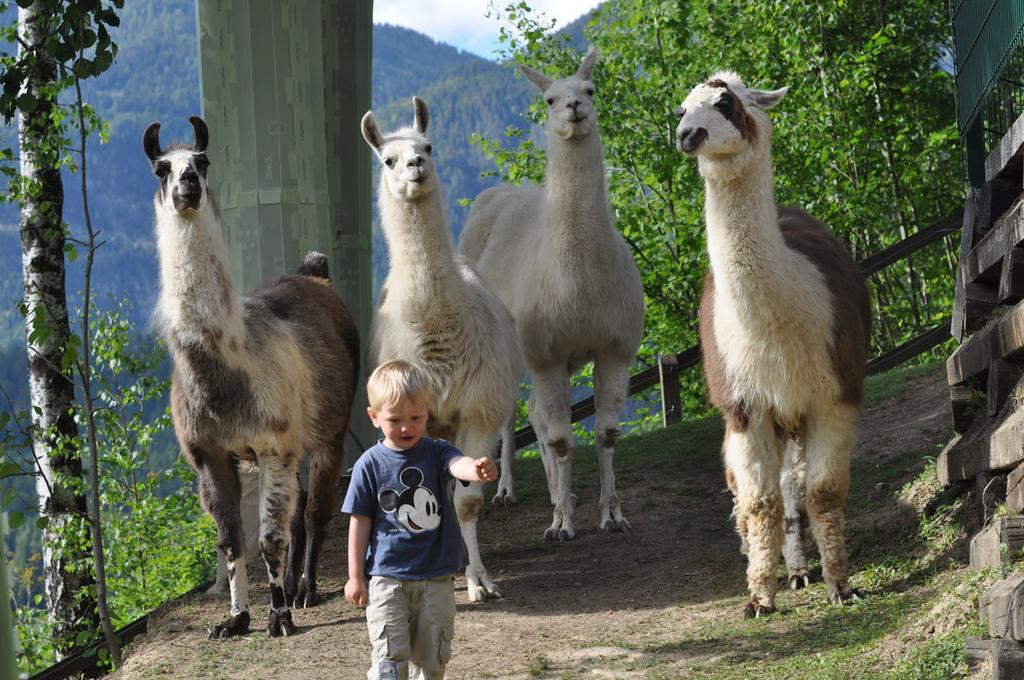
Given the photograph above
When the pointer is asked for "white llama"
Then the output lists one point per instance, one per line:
(784, 329)
(263, 379)
(554, 257)
(435, 312)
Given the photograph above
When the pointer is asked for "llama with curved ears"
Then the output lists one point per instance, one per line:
(553, 255)
(435, 312)
(784, 329)
(263, 379)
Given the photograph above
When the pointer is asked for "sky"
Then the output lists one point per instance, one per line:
(463, 23)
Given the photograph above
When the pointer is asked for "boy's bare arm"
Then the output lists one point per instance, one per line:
(473, 469)
(358, 538)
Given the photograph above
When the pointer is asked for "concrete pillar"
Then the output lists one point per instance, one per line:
(284, 85)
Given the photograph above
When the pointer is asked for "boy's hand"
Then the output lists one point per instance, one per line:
(355, 591)
(486, 470)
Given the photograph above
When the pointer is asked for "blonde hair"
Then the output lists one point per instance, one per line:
(394, 382)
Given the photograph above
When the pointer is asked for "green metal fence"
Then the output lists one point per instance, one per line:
(989, 60)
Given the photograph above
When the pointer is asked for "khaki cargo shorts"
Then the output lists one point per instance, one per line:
(411, 625)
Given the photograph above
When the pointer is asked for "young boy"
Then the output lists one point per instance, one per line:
(403, 533)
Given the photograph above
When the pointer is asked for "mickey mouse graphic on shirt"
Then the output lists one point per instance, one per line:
(417, 508)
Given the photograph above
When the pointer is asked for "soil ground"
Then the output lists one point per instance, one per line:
(663, 600)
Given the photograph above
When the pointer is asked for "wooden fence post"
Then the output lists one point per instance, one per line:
(671, 406)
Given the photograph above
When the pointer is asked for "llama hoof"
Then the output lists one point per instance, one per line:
(280, 624)
(566, 535)
(799, 580)
(305, 597)
(504, 497)
(844, 594)
(233, 625)
(483, 592)
(755, 609)
(618, 524)
(551, 533)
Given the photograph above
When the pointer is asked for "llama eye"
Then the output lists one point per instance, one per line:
(550, 100)
(162, 169)
(390, 162)
(724, 103)
(680, 112)
(590, 92)
(430, 149)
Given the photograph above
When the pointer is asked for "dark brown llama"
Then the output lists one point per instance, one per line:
(263, 378)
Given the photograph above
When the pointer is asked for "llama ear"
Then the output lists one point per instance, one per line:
(151, 142)
(421, 115)
(371, 133)
(766, 99)
(587, 67)
(388, 499)
(536, 77)
(202, 134)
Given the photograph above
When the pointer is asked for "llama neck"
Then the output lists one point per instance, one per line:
(577, 197)
(423, 269)
(745, 245)
(197, 298)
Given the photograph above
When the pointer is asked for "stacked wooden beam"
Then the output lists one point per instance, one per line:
(1001, 609)
(988, 318)
(987, 394)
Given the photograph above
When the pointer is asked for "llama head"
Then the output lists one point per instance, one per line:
(181, 169)
(722, 119)
(407, 165)
(570, 100)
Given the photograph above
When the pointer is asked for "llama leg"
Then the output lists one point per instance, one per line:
(546, 457)
(278, 492)
(249, 484)
(296, 546)
(830, 437)
(730, 482)
(551, 399)
(755, 457)
(506, 492)
(219, 492)
(323, 502)
(794, 473)
(611, 383)
(469, 499)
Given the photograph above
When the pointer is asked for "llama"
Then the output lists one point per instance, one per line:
(435, 312)
(554, 257)
(260, 379)
(784, 329)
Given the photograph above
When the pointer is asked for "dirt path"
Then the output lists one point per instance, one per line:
(604, 605)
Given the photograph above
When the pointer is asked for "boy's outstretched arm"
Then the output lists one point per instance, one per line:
(358, 538)
(473, 469)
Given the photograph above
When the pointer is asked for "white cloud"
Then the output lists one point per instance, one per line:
(463, 23)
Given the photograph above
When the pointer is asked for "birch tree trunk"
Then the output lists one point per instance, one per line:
(71, 607)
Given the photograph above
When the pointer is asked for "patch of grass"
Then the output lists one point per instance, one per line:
(943, 657)
(537, 665)
(893, 382)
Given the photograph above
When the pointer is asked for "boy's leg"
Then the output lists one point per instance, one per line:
(387, 618)
(434, 626)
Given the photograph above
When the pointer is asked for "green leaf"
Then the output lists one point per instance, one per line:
(42, 522)
(8, 469)
(27, 103)
(15, 520)
(25, 4)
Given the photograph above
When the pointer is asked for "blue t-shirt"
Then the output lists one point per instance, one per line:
(407, 495)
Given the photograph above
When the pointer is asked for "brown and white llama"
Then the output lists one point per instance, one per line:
(554, 257)
(784, 329)
(264, 379)
(439, 315)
